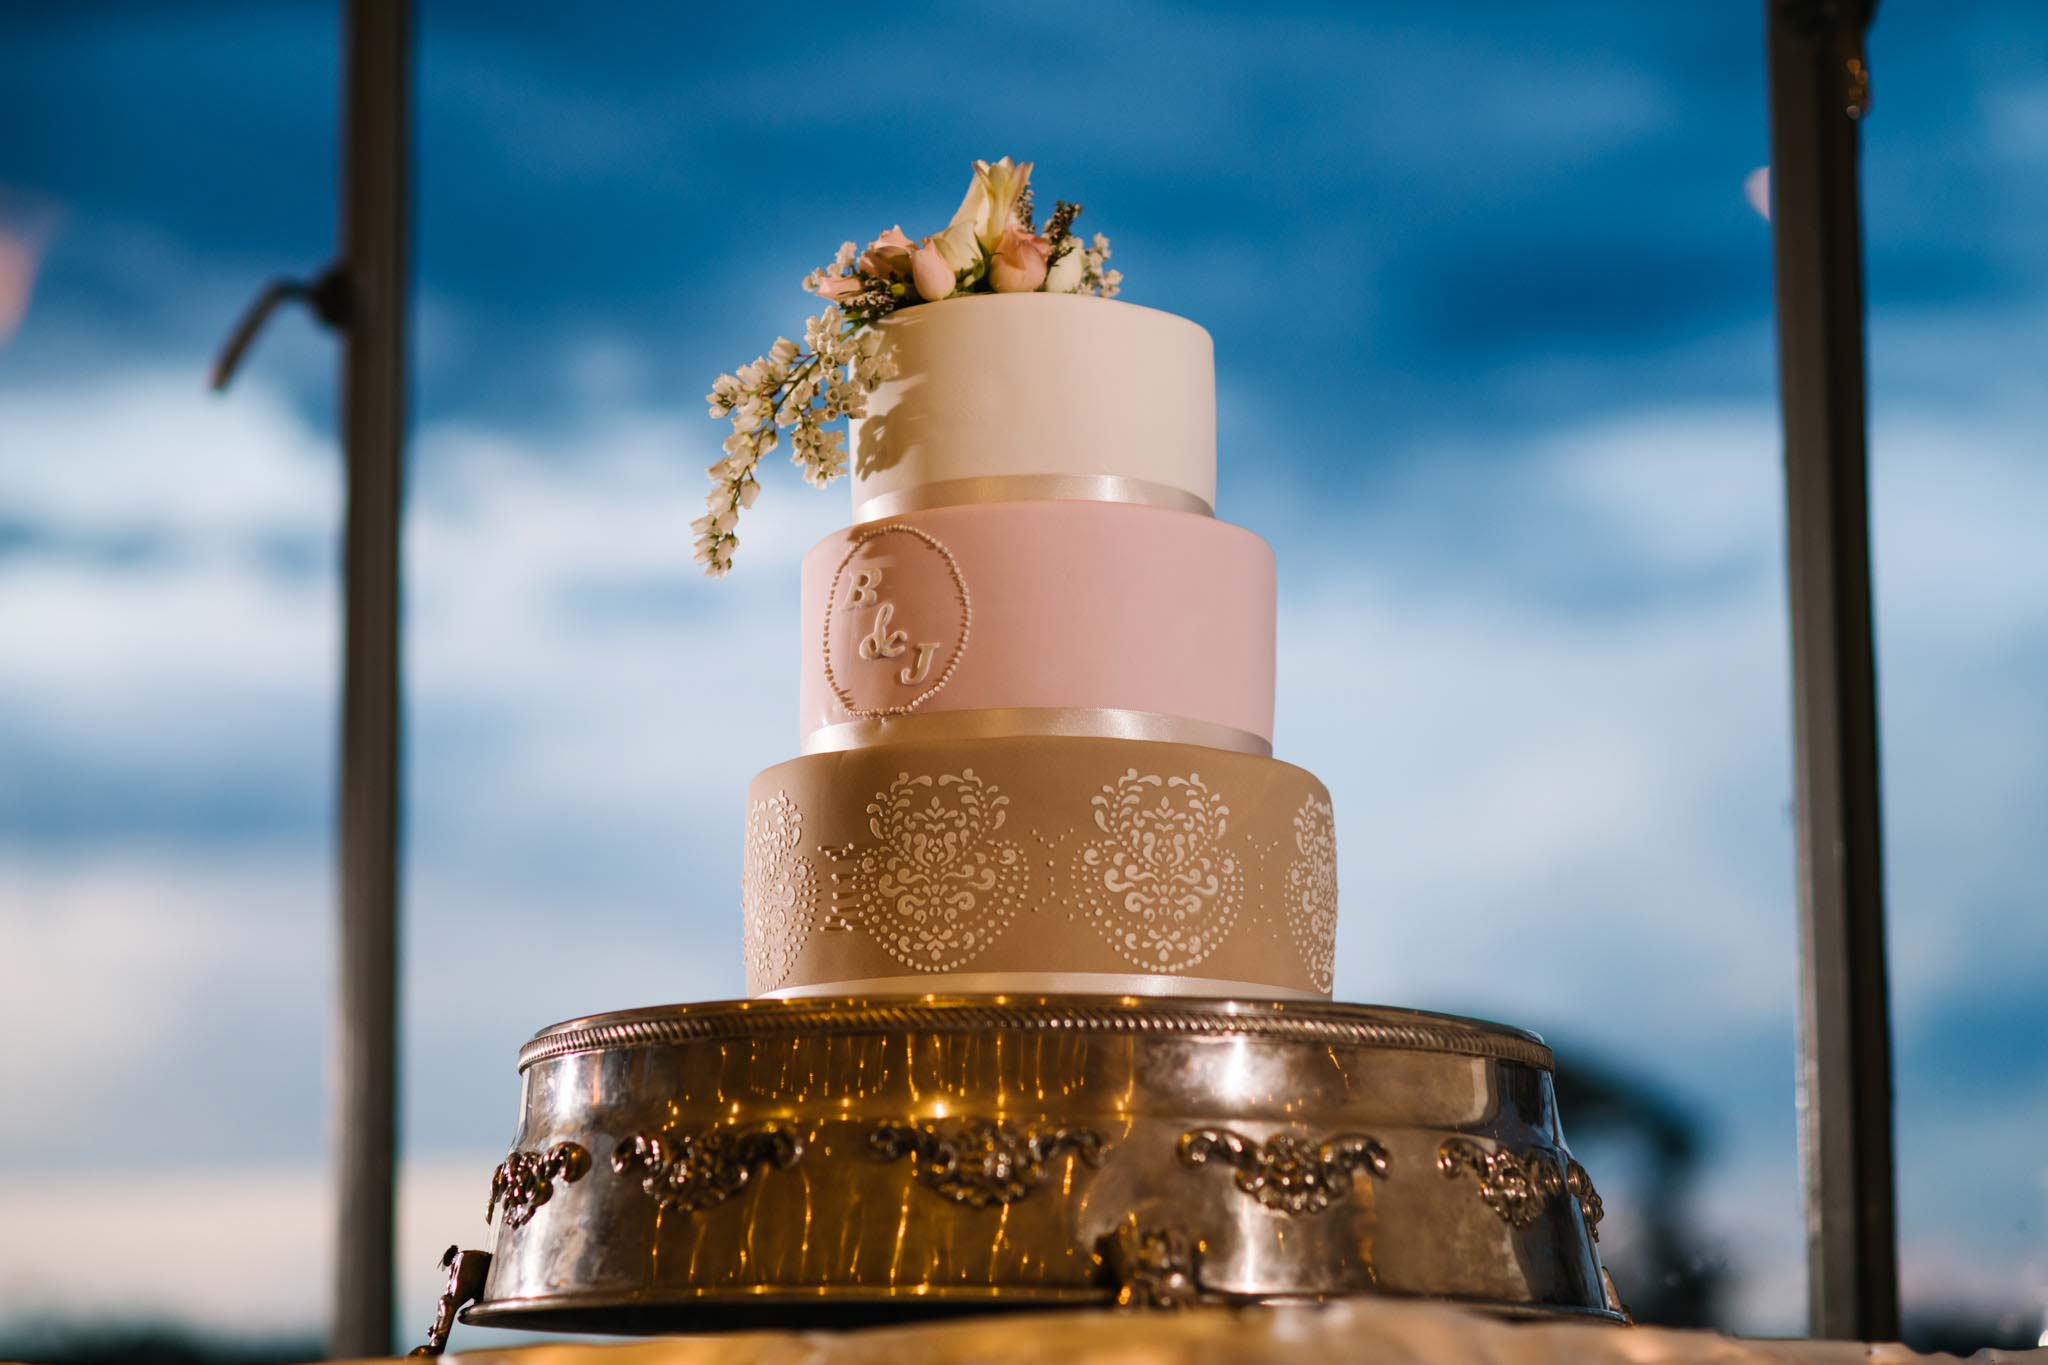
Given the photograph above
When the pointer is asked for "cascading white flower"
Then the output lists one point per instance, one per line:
(989, 247)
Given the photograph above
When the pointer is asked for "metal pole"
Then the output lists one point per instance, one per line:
(375, 183)
(1819, 88)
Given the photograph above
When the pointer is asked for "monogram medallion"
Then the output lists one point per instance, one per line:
(897, 619)
(694, 1171)
(980, 1162)
(1288, 1172)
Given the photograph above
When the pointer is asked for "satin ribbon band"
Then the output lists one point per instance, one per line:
(1047, 983)
(1088, 722)
(1030, 488)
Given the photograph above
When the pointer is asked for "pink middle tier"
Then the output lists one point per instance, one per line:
(1151, 622)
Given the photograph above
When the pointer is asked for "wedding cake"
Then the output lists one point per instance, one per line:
(1038, 931)
(1036, 688)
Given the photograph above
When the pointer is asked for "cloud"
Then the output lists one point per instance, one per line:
(237, 1249)
(1578, 697)
(1496, 386)
(1549, 695)
(107, 952)
(151, 454)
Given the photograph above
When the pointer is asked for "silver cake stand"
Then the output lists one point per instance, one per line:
(840, 1161)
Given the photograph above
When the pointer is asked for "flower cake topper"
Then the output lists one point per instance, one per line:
(992, 246)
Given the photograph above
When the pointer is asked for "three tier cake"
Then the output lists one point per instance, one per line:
(1038, 934)
(1037, 688)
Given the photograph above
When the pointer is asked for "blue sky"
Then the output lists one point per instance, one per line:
(1495, 376)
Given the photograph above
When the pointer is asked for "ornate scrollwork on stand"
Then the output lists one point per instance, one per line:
(694, 1171)
(1517, 1188)
(1580, 1185)
(526, 1180)
(979, 1162)
(1288, 1172)
(1151, 1267)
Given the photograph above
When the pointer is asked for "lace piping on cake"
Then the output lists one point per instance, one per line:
(778, 892)
(936, 888)
(1159, 887)
(1312, 889)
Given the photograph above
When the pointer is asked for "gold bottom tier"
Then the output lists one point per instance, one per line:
(834, 1161)
(1037, 857)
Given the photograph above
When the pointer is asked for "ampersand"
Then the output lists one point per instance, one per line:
(882, 642)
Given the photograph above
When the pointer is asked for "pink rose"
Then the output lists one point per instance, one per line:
(840, 288)
(888, 256)
(941, 259)
(931, 272)
(1017, 266)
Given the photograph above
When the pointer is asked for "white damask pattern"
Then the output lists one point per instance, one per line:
(1312, 889)
(1159, 886)
(936, 888)
(778, 892)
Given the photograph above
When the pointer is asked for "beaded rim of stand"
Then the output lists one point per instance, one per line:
(1305, 1021)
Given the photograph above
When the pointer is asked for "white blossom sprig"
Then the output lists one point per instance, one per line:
(1095, 279)
(796, 389)
(990, 247)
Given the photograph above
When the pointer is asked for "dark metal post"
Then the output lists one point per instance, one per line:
(1818, 90)
(374, 235)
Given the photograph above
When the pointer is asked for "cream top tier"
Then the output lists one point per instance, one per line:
(1015, 397)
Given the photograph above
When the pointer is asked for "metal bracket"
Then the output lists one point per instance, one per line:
(328, 295)
(466, 1272)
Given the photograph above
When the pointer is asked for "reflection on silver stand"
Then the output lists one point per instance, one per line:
(854, 1160)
